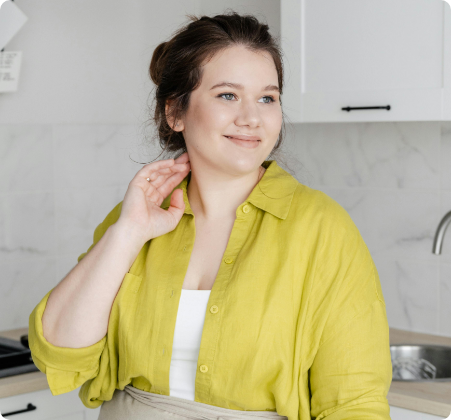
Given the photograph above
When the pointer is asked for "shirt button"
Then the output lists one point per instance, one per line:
(214, 309)
(228, 260)
(246, 209)
(203, 368)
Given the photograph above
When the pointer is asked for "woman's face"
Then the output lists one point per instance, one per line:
(252, 109)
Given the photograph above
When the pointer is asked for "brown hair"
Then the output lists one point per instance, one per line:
(175, 67)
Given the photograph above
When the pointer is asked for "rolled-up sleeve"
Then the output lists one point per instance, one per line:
(351, 372)
(66, 368)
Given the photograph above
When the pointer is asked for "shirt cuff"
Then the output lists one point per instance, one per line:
(66, 368)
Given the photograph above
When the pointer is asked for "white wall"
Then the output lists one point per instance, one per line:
(86, 61)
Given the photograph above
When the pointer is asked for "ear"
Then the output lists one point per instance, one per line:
(170, 120)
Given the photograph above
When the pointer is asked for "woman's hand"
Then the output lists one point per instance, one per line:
(141, 209)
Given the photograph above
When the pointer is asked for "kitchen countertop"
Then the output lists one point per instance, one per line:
(427, 397)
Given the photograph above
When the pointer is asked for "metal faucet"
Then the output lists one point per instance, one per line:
(440, 233)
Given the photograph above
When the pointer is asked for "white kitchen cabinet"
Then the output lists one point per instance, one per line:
(366, 53)
(77, 416)
(397, 413)
(66, 406)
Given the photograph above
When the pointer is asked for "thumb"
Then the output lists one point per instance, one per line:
(177, 204)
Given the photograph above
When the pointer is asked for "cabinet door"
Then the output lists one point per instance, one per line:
(397, 413)
(76, 416)
(46, 406)
(363, 53)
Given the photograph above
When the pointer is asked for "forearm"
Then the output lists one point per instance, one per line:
(78, 309)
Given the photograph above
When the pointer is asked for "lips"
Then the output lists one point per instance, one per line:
(246, 138)
(246, 144)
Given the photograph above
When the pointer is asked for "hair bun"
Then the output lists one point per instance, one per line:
(157, 62)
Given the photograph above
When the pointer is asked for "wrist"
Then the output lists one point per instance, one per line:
(127, 233)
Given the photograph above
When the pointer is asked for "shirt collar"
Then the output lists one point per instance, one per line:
(273, 193)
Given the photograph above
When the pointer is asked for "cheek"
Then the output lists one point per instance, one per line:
(219, 110)
(211, 114)
(274, 120)
(217, 119)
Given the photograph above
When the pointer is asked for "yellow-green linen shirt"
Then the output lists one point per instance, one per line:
(295, 322)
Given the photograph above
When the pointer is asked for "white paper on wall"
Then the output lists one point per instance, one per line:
(9, 70)
(11, 20)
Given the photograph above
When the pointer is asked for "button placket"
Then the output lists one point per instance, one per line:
(211, 327)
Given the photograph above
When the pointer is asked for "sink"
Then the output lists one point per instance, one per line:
(15, 357)
(421, 363)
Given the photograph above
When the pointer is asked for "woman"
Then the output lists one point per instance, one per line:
(220, 287)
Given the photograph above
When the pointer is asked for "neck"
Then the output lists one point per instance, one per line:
(213, 198)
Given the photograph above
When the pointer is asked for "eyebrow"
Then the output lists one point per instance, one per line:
(239, 86)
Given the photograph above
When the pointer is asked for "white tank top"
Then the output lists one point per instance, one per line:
(186, 343)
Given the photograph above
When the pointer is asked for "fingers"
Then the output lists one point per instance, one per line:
(161, 167)
(152, 167)
(148, 169)
(177, 167)
(163, 176)
(182, 158)
(164, 185)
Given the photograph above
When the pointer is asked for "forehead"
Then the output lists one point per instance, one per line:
(240, 68)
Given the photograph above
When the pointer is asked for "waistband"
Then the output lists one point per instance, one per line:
(196, 410)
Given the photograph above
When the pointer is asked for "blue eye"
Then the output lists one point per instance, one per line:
(271, 97)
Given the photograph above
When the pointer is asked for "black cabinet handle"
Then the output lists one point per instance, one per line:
(366, 107)
(30, 407)
(24, 340)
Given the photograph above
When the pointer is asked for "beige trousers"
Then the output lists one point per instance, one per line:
(133, 403)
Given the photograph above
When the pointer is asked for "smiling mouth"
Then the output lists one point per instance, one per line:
(239, 139)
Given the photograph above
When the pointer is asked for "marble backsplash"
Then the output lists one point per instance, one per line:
(58, 182)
